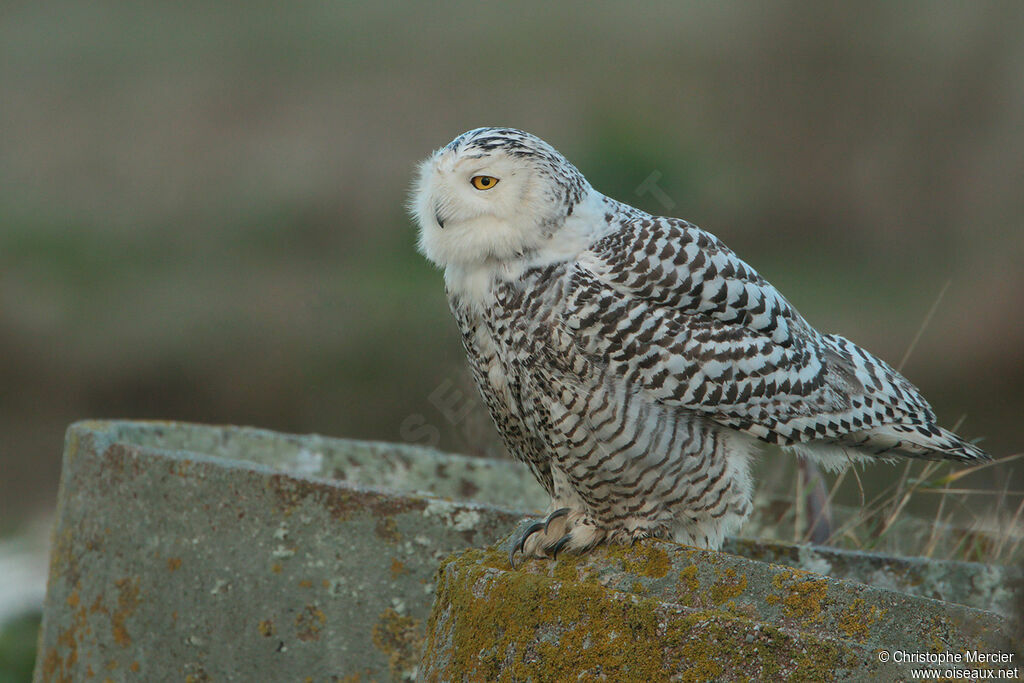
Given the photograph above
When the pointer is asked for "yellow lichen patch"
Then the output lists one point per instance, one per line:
(656, 564)
(936, 631)
(711, 645)
(173, 563)
(802, 598)
(495, 558)
(644, 558)
(127, 602)
(63, 558)
(387, 529)
(399, 637)
(698, 661)
(729, 587)
(596, 632)
(179, 468)
(55, 667)
(792, 574)
(309, 622)
(856, 621)
(397, 568)
(566, 568)
(276, 568)
(528, 625)
(97, 606)
(688, 584)
(266, 628)
(305, 583)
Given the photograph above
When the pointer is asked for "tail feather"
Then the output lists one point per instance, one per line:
(916, 441)
(926, 442)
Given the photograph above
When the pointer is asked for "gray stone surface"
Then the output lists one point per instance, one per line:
(188, 552)
(997, 588)
(660, 611)
(541, 623)
(174, 559)
(399, 467)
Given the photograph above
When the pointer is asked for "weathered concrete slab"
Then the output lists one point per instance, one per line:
(172, 562)
(792, 598)
(233, 553)
(399, 467)
(997, 588)
(491, 624)
(659, 611)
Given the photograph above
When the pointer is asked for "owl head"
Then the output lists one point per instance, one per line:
(491, 195)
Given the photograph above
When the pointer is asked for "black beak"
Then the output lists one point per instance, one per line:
(437, 217)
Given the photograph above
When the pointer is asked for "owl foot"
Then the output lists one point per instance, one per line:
(563, 530)
(630, 536)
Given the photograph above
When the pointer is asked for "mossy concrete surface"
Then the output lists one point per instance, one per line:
(536, 624)
(189, 552)
(175, 559)
(660, 611)
(997, 588)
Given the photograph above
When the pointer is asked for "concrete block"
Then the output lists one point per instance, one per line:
(183, 553)
(660, 611)
(192, 553)
(993, 587)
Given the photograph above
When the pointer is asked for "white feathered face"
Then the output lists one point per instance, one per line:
(490, 195)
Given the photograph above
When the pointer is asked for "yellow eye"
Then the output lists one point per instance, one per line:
(483, 182)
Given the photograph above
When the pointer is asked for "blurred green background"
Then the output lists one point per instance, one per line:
(202, 204)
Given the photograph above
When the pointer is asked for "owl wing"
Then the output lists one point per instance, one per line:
(670, 308)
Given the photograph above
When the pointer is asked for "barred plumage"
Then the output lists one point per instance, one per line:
(633, 361)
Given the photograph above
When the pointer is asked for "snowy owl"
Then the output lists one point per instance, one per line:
(634, 361)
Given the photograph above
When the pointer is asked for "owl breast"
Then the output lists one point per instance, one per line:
(593, 437)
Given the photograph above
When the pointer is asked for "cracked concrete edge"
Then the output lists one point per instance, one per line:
(401, 467)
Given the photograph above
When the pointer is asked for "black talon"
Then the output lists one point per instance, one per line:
(530, 531)
(554, 550)
(518, 547)
(560, 512)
